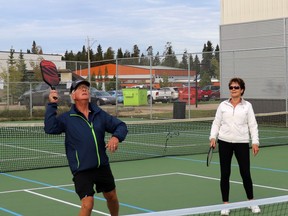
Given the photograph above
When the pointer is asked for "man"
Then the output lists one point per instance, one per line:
(85, 126)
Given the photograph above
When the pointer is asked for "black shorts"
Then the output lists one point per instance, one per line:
(102, 177)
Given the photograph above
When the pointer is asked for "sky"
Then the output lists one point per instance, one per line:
(68, 25)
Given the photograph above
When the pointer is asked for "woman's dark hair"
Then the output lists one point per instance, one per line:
(239, 81)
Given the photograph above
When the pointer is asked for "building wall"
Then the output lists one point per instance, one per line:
(256, 51)
(238, 11)
(31, 58)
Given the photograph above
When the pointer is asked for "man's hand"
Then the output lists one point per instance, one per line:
(112, 144)
(53, 96)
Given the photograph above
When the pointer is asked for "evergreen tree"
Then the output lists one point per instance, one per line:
(217, 52)
(119, 53)
(144, 60)
(135, 55)
(14, 77)
(26, 76)
(126, 58)
(156, 60)
(206, 59)
(205, 80)
(170, 58)
(191, 62)
(215, 67)
(99, 80)
(109, 54)
(184, 63)
(34, 48)
(93, 82)
(99, 53)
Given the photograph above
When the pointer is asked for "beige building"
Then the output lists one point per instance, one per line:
(253, 44)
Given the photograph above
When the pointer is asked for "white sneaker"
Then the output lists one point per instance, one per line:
(255, 209)
(225, 212)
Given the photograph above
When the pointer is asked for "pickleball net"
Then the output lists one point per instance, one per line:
(274, 206)
(25, 146)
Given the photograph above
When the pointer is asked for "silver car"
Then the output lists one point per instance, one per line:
(101, 97)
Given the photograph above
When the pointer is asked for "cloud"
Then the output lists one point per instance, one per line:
(65, 25)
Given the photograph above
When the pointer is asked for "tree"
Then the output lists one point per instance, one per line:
(99, 79)
(184, 63)
(119, 53)
(34, 48)
(205, 80)
(93, 82)
(14, 76)
(217, 52)
(170, 58)
(165, 82)
(156, 60)
(206, 59)
(191, 62)
(126, 58)
(99, 53)
(135, 55)
(22, 68)
(109, 54)
(215, 67)
(36, 69)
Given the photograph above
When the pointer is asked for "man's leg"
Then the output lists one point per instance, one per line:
(112, 202)
(87, 204)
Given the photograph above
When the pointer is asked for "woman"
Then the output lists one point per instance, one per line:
(234, 123)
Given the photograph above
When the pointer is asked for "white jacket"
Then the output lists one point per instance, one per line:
(235, 124)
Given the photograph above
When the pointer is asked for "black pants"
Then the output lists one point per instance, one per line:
(241, 151)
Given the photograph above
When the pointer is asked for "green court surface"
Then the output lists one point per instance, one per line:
(149, 185)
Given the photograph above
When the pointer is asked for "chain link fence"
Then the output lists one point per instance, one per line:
(200, 80)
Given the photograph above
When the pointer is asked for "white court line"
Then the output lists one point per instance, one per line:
(148, 176)
(199, 176)
(37, 188)
(235, 182)
(62, 201)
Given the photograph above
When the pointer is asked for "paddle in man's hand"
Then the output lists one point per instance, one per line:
(49, 74)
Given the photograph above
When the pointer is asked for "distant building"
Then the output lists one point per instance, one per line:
(253, 44)
(4, 56)
(131, 75)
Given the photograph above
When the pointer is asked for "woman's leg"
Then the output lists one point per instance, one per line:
(225, 154)
(243, 158)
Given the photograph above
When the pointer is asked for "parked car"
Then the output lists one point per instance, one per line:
(215, 95)
(118, 95)
(101, 97)
(39, 95)
(167, 94)
(208, 90)
(184, 94)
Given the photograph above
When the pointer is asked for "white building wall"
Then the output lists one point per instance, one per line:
(31, 58)
(238, 11)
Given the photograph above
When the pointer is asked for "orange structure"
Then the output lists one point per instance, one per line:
(130, 75)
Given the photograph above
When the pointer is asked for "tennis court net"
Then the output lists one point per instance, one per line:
(26, 146)
(274, 206)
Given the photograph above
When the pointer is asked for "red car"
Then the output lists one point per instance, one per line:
(184, 94)
(215, 95)
(208, 90)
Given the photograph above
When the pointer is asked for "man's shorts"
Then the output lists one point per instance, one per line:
(102, 177)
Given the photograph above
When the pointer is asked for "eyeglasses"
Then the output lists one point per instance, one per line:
(81, 87)
(234, 87)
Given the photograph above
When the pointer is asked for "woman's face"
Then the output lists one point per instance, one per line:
(235, 90)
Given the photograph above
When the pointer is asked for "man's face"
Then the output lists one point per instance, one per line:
(81, 93)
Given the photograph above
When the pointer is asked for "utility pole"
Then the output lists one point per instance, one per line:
(88, 54)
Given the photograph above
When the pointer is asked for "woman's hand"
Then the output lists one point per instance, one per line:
(213, 143)
(255, 149)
